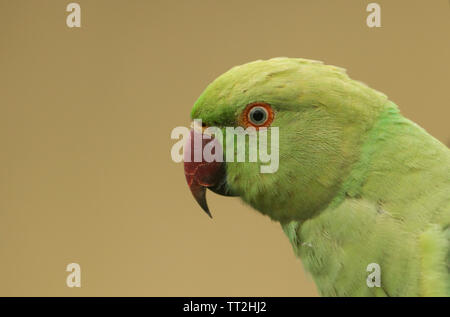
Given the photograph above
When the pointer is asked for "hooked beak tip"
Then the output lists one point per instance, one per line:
(199, 193)
(203, 174)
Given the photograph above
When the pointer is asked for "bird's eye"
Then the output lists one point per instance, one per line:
(257, 114)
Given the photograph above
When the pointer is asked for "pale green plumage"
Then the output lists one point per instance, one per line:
(357, 183)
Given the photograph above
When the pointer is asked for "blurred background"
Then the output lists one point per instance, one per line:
(86, 113)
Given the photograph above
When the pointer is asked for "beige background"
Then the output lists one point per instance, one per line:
(85, 121)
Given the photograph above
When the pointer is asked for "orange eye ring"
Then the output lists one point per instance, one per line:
(257, 114)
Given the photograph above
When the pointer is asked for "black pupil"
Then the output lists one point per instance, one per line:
(258, 115)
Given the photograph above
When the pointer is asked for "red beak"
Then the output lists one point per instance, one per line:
(202, 174)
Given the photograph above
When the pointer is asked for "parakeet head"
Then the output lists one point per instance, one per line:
(322, 117)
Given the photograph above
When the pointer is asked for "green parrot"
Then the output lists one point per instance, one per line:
(357, 184)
